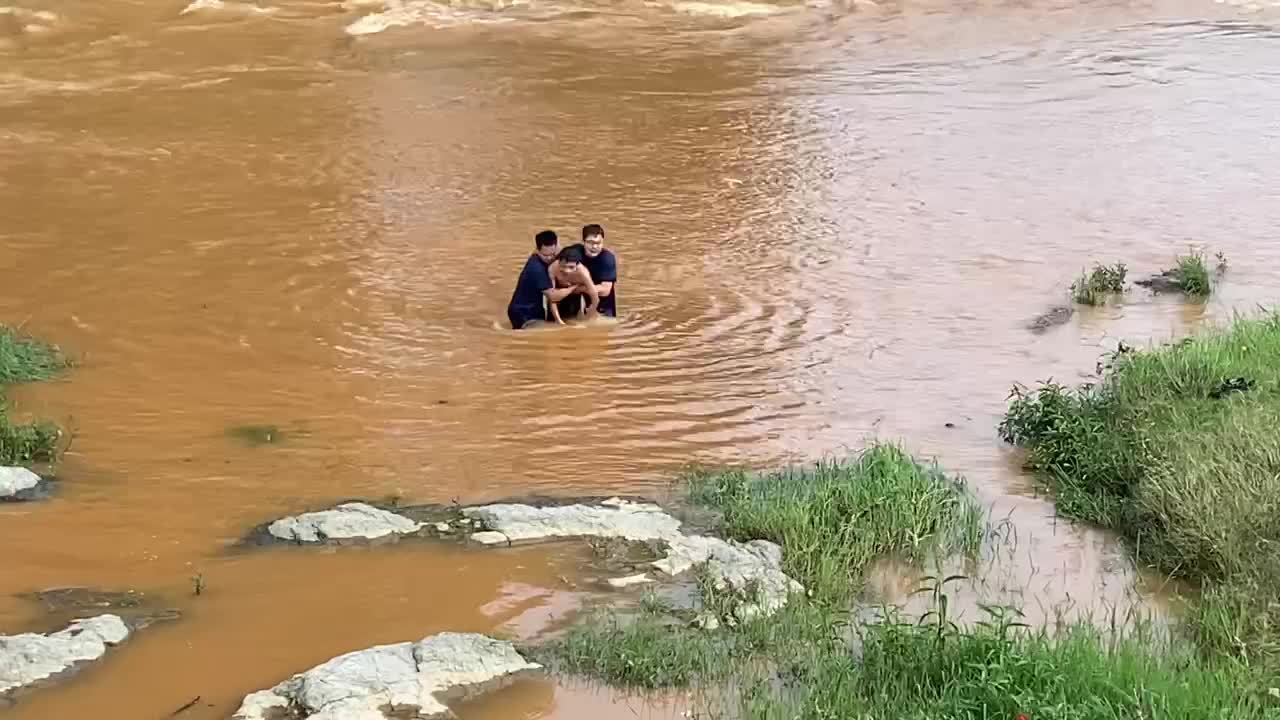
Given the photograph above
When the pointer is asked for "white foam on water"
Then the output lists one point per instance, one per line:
(432, 14)
(727, 10)
(224, 6)
(26, 21)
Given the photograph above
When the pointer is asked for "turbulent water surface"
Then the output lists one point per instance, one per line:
(834, 222)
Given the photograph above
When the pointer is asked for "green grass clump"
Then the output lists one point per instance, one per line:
(25, 443)
(1192, 274)
(1093, 288)
(994, 670)
(1177, 449)
(23, 359)
(810, 660)
(834, 518)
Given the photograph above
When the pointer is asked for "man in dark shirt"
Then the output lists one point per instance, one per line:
(533, 289)
(603, 266)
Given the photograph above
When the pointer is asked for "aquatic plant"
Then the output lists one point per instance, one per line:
(1093, 288)
(24, 359)
(1176, 449)
(1192, 274)
(25, 443)
(256, 435)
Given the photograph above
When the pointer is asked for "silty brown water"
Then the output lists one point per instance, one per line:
(834, 223)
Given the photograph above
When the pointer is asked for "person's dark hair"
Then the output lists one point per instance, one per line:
(545, 238)
(573, 253)
(592, 229)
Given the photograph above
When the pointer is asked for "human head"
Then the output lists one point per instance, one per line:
(570, 257)
(593, 239)
(548, 245)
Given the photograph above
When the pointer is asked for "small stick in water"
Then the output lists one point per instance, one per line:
(186, 707)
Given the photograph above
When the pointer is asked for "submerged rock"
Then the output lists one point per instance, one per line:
(137, 609)
(350, 521)
(1166, 281)
(1052, 318)
(28, 659)
(405, 680)
(19, 483)
(753, 569)
(628, 581)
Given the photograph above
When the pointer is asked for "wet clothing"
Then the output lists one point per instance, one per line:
(571, 306)
(604, 268)
(528, 302)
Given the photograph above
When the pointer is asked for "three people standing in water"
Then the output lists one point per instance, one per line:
(576, 281)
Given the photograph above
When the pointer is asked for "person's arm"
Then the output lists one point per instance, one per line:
(556, 294)
(583, 278)
(608, 276)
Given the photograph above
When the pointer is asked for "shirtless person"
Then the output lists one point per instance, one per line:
(569, 272)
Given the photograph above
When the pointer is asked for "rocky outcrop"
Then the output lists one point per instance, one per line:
(29, 659)
(610, 518)
(753, 569)
(349, 522)
(405, 680)
(19, 483)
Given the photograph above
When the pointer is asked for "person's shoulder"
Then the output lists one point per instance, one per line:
(533, 264)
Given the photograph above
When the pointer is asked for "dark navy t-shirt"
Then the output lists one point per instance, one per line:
(526, 302)
(604, 268)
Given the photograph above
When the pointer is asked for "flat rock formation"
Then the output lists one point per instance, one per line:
(752, 568)
(755, 566)
(350, 521)
(19, 483)
(405, 680)
(29, 659)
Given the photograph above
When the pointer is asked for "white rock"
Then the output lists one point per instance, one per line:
(526, 522)
(30, 658)
(490, 538)
(443, 527)
(738, 567)
(356, 686)
(345, 522)
(14, 480)
(629, 580)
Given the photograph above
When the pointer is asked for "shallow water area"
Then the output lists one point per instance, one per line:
(834, 220)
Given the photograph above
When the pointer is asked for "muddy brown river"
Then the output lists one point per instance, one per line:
(834, 222)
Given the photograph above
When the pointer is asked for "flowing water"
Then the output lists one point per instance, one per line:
(834, 221)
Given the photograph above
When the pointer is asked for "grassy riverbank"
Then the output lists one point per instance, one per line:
(1177, 449)
(24, 359)
(816, 660)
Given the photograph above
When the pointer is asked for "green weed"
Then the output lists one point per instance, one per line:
(23, 444)
(833, 518)
(1192, 274)
(1176, 448)
(24, 359)
(1094, 287)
